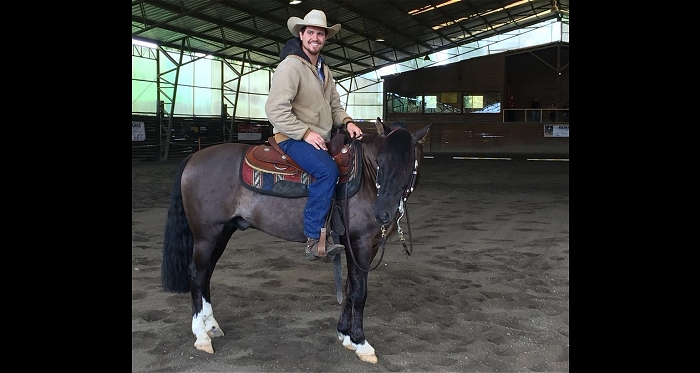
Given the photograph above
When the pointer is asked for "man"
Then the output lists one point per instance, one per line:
(535, 105)
(303, 107)
(511, 105)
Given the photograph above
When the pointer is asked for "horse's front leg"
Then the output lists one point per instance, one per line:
(350, 326)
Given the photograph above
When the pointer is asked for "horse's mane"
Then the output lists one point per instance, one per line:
(396, 147)
(399, 144)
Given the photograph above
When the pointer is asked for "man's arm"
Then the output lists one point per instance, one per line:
(278, 107)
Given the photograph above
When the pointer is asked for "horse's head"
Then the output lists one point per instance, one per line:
(397, 161)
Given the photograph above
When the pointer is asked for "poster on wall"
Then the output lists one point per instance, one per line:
(194, 130)
(556, 131)
(138, 131)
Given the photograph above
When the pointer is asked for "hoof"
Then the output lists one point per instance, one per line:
(206, 347)
(365, 352)
(370, 358)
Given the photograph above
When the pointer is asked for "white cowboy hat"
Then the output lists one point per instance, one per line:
(314, 18)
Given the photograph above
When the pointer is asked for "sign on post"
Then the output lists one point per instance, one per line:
(138, 131)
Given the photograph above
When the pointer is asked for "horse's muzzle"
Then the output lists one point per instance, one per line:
(382, 218)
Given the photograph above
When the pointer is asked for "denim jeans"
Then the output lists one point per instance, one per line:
(320, 165)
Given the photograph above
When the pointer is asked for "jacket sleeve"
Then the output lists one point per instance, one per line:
(278, 107)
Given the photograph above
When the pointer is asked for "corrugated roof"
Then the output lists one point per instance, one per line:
(411, 28)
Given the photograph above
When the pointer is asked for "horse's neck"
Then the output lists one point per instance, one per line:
(369, 165)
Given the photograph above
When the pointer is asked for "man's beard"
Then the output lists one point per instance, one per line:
(307, 49)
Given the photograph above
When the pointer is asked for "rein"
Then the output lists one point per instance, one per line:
(403, 208)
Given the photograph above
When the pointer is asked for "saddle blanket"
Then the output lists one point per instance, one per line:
(296, 184)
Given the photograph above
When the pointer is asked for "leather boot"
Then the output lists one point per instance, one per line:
(331, 249)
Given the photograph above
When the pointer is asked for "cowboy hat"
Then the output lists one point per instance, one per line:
(314, 18)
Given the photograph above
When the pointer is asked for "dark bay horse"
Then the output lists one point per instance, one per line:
(209, 203)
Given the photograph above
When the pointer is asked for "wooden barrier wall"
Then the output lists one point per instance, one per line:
(452, 136)
(487, 139)
(188, 135)
(146, 150)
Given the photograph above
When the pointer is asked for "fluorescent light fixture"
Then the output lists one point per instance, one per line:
(294, 2)
(380, 37)
(143, 43)
(202, 55)
(430, 7)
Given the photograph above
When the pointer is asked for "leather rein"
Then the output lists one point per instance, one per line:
(402, 209)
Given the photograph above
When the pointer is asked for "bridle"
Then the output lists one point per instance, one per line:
(401, 210)
(403, 207)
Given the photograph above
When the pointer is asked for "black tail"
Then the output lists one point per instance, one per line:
(177, 242)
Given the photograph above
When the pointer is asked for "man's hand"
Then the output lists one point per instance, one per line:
(353, 130)
(316, 140)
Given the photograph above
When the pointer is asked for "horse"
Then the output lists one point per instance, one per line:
(209, 202)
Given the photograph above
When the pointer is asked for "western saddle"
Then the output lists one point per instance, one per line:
(271, 158)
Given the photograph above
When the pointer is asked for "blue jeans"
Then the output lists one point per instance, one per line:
(320, 165)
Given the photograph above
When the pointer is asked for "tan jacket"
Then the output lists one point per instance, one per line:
(298, 103)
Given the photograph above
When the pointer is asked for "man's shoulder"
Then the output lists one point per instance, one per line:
(294, 59)
(289, 64)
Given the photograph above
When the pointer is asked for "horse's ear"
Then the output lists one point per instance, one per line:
(419, 136)
(381, 128)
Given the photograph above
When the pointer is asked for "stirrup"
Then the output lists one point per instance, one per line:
(330, 250)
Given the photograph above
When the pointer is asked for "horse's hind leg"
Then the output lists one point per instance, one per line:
(210, 325)
(204, 325)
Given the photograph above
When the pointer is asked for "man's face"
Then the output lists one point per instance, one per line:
(312, 39)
